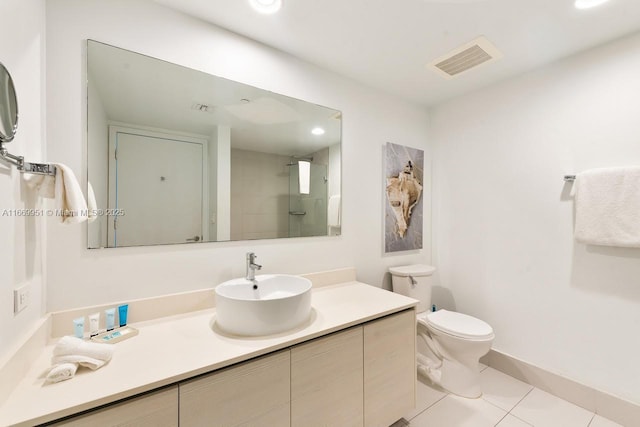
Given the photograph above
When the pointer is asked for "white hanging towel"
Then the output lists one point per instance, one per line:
(333, 217)
(607, 203)
(70, 204)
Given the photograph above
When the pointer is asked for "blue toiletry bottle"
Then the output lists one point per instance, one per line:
(122, 314)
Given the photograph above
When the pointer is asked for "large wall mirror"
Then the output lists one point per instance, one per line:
(176, 155)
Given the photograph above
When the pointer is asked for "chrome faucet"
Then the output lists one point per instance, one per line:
(251, 269)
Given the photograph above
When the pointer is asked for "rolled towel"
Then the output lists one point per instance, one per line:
(62, 372)
(85, 361)
(74, 350)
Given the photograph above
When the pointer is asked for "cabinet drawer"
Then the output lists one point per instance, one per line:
(157, 409)
(252, 394)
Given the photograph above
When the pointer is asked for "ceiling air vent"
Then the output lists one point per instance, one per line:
(479, 51)
(205, 108)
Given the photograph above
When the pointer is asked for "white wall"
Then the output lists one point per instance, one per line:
(79, 277)
(22, 53)
(503, 217)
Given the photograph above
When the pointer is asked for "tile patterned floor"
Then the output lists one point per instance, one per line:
(506, 402)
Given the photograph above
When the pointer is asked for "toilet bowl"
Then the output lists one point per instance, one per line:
(450, 344)
(458, 341)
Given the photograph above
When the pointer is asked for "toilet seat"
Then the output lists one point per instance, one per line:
(457, 325)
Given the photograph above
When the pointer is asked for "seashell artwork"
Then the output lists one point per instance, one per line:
(403, 193)
(403, 222)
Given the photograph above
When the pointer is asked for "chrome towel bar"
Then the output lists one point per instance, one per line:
(26, 167)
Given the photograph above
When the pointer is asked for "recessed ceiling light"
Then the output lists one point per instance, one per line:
(588, 4)
(266, 6)
(317, 131)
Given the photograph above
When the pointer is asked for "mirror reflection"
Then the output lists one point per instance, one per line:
(8, 106)
(176, 155)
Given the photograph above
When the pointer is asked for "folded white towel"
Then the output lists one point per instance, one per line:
(65, 190)
(62, 372)
(74, 350)
(607, 203)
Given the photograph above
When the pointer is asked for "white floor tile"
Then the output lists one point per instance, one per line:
(545, 410)
(511, 421)
(454, 411)
(426, 395)
(483, 367)
(599, 421)
(502, 390)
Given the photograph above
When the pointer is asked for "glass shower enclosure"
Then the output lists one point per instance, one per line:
(308, 212)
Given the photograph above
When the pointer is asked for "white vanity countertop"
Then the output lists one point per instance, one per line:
(176, 348)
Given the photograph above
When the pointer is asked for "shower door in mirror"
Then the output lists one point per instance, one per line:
(308, 207)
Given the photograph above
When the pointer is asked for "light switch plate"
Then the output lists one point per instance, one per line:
(21, 297)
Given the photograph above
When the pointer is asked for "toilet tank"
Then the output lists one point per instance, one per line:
(414, 281)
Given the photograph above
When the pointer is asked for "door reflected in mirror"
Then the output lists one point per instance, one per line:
(176, 155)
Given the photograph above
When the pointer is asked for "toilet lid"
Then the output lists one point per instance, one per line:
(416, 270)
(459, 325)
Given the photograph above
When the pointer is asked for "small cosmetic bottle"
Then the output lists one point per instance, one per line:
(94, 324)
(110, 319)
(122, 314)
(78, 327)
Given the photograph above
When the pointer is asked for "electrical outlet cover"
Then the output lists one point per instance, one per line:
(20, 299)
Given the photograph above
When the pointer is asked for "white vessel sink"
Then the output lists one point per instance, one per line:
(280, 303)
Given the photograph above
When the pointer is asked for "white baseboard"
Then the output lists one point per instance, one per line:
(607, 405)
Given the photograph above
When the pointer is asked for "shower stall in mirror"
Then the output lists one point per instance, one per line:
(307, 199)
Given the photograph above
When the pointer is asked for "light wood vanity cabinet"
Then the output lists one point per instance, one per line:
(361, 376)
(253, 393)
(389, 368)
(327, 381)
(155, 409)
(365, 376)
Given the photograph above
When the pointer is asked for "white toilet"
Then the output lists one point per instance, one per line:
(450, 344)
